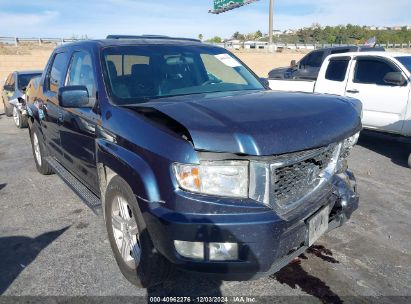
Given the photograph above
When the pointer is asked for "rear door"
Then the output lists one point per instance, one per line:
(52, 115)
(384, 104)
(333, 76)
(78, 129)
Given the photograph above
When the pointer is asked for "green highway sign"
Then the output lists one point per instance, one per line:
(221, 6)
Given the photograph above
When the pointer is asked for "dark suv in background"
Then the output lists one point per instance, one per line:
(193, 163)
(309, 66)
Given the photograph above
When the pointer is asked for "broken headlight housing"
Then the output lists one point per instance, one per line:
(346, 147)
(348, 144)
(220, 178)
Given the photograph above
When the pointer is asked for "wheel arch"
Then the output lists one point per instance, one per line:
(33, 114)
(114, 160)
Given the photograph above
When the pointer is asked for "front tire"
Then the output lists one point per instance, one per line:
(409, 160)
(39, 152)
(19, 119)
(132, 247)
(8, 110)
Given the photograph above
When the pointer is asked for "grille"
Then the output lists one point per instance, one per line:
(297, 174)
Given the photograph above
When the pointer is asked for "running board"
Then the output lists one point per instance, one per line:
(88, 197)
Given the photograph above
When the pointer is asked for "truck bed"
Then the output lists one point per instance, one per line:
(292, 85)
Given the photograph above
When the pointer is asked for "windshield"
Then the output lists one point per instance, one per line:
(406, 61)
(137, 74)
(24, 79)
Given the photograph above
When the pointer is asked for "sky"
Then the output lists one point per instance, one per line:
(186, 18)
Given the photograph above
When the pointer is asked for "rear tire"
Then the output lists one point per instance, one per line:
(140, 263)
(409, 160)
(40, 152)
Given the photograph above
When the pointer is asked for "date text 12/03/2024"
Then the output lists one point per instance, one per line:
(202, 299)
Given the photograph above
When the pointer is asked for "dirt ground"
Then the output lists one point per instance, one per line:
(262, 63)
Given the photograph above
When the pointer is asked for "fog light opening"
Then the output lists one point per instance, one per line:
(223, 251)
(190, 250)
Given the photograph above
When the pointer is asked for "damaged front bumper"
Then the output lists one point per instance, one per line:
(20, 104)
(266, 241)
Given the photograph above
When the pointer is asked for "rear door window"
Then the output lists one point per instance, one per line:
(337, 69)
(372, 71)
(56, 72)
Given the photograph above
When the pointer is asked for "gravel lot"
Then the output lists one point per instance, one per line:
(52, 244)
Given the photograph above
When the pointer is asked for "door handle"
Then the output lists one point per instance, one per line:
(353, 91)
(60, 118)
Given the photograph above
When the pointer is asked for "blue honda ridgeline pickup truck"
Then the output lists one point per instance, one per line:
(193, 162)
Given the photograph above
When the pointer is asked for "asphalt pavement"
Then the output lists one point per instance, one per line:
(51, 244)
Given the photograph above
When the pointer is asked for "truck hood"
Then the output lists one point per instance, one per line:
(261, 122)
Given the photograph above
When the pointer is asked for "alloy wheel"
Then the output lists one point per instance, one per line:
(125, 231)
(36, 147)
(16, 116)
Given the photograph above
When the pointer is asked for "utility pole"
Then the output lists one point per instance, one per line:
(270, 23)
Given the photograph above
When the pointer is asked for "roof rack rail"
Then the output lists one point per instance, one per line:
(150, 37)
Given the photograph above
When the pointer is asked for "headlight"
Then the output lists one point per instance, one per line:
(221, 178)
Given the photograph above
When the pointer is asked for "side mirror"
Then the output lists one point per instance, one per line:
(265, 83)
(395, 78)
(293, 64)
(74, 97)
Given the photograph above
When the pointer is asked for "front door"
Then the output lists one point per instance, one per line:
(78, 130)
(384, 104)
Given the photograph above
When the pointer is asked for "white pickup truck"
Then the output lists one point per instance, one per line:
(381, 81)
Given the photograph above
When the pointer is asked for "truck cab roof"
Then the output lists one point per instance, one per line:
(395, 57)
(28, 72)
(375, 53)
(356, 48)
(118, 40)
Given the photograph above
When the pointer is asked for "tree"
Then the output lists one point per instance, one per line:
(236, 35)
(303, 35)
(215, 39)
(200, 37)
(345, 34)
(258, 34)
(241, 37)
(317, 32)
